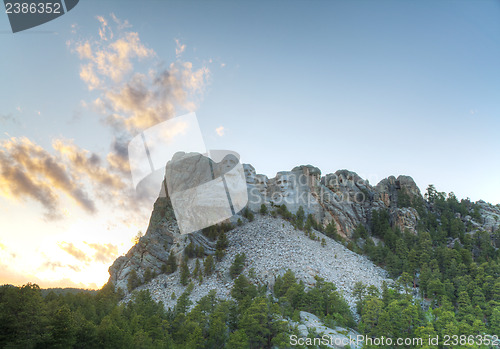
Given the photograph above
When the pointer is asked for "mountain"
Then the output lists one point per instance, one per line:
(342, 199)
(366, 241)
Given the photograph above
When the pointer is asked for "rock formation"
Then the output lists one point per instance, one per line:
(342, 197)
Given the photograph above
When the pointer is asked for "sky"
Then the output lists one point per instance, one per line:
(377, 87)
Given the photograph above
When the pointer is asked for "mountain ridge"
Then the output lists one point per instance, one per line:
(342, 199)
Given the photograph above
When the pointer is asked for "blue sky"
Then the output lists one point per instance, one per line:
(381, 88)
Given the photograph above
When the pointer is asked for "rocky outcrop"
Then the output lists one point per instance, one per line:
(152, 249)
(333, 338)
(343, 197)
(405, 218)
(389, 189)
(490, 217)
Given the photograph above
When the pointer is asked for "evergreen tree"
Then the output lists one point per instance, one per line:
(184, 273)
(171, 264)
(238, 340)
(243, 289)
(220, 246)
(237, 266)
(197, 269)
(133, 280)
(255, 323)
(209, 265)
(63, 328)
(148, 275)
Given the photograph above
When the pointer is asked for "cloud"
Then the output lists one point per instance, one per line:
(105, 253)
(133, 100)
(9, 276)
(118, 156)
(110, 58)
(179, 49)
(121, 24)
(220, 131)
(130, 100)
(74, 251)
(102, 253)
(29, 171)
(6, 253)
(88, 164)
(51, 265)
(104, 32)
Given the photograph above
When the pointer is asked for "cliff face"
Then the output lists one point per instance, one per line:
(342, 197)
(153, 248)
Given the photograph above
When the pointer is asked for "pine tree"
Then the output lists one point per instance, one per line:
(243, 289)
(220, 246)
(197, 269)
(148, 275)
(255, 323)
(171, 264)
(133, 280)
(184, 273)
(237, 266)
(209, 265)
(263, 209)
(217, 330)
(238, 340)
(494, 322)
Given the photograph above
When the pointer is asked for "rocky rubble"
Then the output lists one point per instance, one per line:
(272, 246)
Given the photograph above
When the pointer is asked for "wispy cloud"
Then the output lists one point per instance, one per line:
(54, 265)
(130, 99)
(104, 253)
(220, 131)
(179, 49)
(74, 251)
(10, 276)
(91, 252)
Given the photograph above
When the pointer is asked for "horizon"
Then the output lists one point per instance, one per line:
(393, 88)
